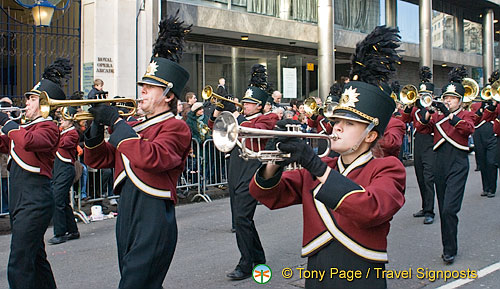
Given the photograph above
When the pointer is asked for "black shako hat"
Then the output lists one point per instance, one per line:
(454, 86)
(164, 69)
(54, 76)
(257, 89)
(425, 86)
(368, 97)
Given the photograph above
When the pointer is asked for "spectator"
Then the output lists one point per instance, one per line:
(279, 112)
(96, 88)
(5, 183)
(289, 114)
(276, 98)
(221, 87)
(191, 98)
(344, 79)
(179, 109)
(198, 123)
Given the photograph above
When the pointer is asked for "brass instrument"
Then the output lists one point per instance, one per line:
(494, 91)
(395, 97)
(208, 93)
(408, 94)
(486, 92)
(312, 108)
(471, 89)
(226, 132)
(13, 109)
(47, 104)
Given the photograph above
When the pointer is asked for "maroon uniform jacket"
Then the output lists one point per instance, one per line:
(151, 153)
(480, 117)
(355, 210)
(321, 124)
(393, 138)
(67, 145)
(455, 131)
(32, 146)
(492, 116)
(414, 117)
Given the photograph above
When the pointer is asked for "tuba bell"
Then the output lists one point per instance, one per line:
(486, 92)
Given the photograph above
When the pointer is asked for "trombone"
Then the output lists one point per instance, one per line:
(12, 109)
(226, 132)
(47, 104)
(208, 93)
(312, 108)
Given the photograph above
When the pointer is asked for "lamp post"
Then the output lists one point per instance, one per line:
(43, 10)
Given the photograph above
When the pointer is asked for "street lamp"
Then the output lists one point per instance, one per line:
(42, 10)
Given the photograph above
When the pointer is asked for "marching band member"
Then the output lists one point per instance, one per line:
(423, 148)
(485, 142)
(62, 180)
(391, 141)
(451, 127)
(32, 148)
(240, 172)
(148, 158)
(337, 233)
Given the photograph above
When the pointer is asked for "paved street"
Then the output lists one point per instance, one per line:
(206, 249)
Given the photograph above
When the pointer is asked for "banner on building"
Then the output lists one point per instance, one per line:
(289, 82)
(87, 77)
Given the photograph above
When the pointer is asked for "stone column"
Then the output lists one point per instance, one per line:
(425, 8)
(488, 43)
(326, 55)
(391, 13)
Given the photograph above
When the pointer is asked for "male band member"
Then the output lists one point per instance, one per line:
(63, 175)
(240, 173)
(347, 201)
(451, 128)
(485, 143)
(32, 148)
(148, 158)
(423, 153)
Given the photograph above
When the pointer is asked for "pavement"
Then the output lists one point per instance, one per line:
(206, 249)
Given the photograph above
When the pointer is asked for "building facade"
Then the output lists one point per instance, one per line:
(114, 41)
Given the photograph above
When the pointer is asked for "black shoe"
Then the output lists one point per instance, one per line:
(233, 230)
(491, 195)
(484, 194)
(448, 259)
(428, 220)
(73, 236)
(419, 214)
(237, 274)
(476, 169)
(57, 240)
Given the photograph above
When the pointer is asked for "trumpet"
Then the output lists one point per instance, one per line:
(226, 132)
(12, 109)
(47, 104)
(208, 93)
(426, 100)
(312, 108)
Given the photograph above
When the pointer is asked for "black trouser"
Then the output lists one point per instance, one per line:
(485, 148)
(335, 255)
(424, 166)
(62, 179)
(451, 170)
(31, 206)
(243, 207)
(146, 236)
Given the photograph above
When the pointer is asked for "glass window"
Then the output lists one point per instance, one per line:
(444, 34)
(357, 15)
(473, 37)
(408, 21)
